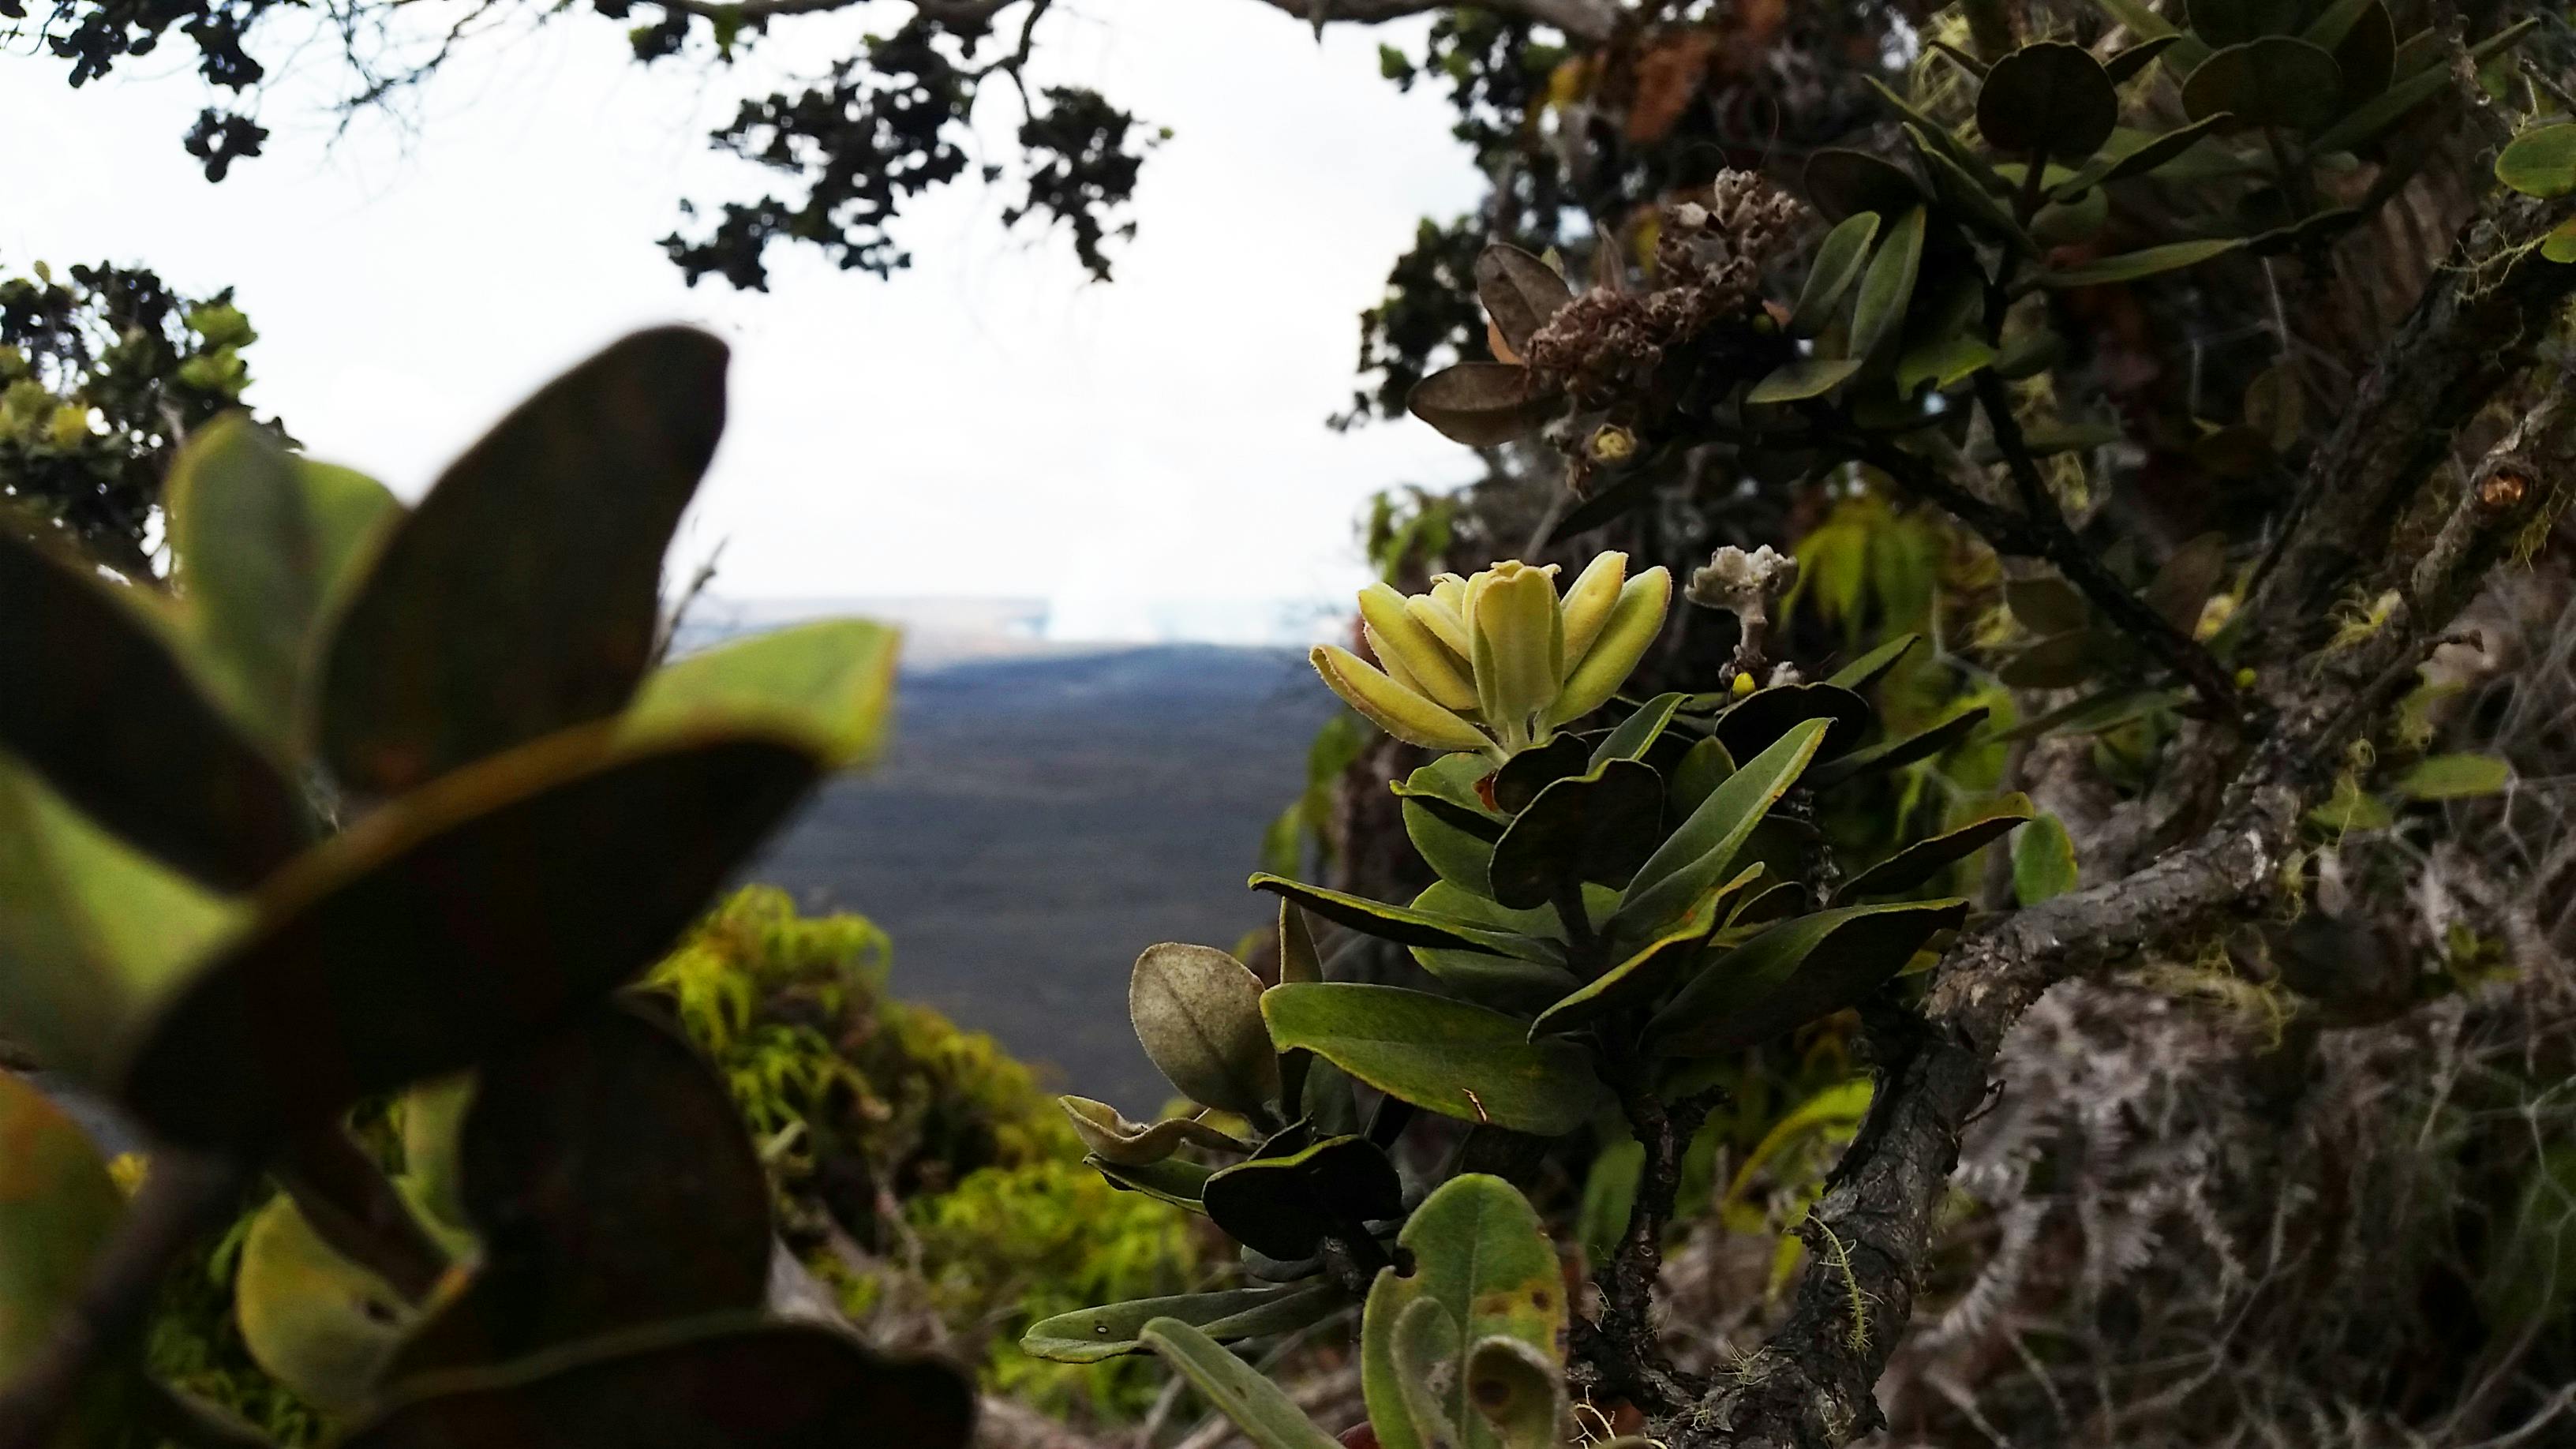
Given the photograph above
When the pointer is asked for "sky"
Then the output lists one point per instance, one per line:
(1142, 454)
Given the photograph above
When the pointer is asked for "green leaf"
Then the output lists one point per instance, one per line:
(2148, 262)
(1794, 972)
(433, 1130)
(1888, 285)
(2336, 21)
(1868, 669)
(264, 545)
(1703, 767)
(319, 1324)
(1752, 723)
(1481, 404)
(2348, 809)
(2367, 56)
(1520, 779)
(2157, 151)
(1878, 759)
(1481, 1257)
(2540, 162)
(1254, 1403)
(58, 1207)
(2454, 777)
(719, 1384)
(829, 686)
(1942, 363)
(1520, 1392)
(1520, 292)
(2046, 604)
(2189, 575)
(2125, 66)
(101, 708)
(453, 921)
(1449, 788)
(522, 596)
(2060, 661)
(2272, 81)
(1652, 967)
(1112, 1138)
(2560, 244)
(2048, 98)
(2531, 1278)
(2231, 22)
(1597, 826)
(1844, 183)
(1803, 378)
(1609, 1196)
(2044, 865)
(580, 1128)
(1924, 859)
(1502, 982)
(1284, 1207)
(1401, 924)
(94, 934)
(2365, 123)
(1447, 1056)
(1455, 855)
(1839, 258)
(1090, 1335)
(1697, 855)
(1173, 1180)
(1638, 732)
(1198, 1012)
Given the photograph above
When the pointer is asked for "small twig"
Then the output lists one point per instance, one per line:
(181, 1194)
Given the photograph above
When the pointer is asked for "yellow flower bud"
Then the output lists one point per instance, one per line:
(1634, 621)
(1400, 639)
(1444, 621)
(1390, 706)
(1588, 603)
(1518, 636)
(1743, 684)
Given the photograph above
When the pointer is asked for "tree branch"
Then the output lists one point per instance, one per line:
(1621, 1346)
(2058, 544)
(1811, 1386)
(2023, 536)
(2474, 328)
(1593, 20)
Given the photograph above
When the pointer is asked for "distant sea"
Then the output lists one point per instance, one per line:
(1050, 806)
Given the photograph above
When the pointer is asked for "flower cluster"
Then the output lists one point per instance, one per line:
(1498, 662)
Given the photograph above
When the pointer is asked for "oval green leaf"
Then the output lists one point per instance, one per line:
(1446, 1056)
(2049, 98)
(452, 922)
(1198, 1012)
(1481, 1257)
(1794, 972)
(1698, 854)
(1839, 258)
(522, 596)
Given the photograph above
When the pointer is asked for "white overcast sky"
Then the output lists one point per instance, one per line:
(986, 424)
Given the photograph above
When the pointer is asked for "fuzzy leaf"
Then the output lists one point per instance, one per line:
(1520, 292)
(1481, 404)
(1198, 1012)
